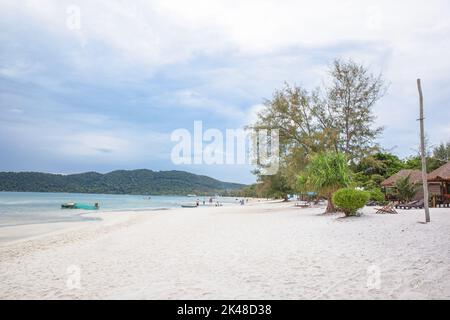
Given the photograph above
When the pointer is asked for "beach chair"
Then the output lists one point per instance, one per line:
(389, 209)
(418, 205)
(303, 204)
(414, 205)
(406, 205)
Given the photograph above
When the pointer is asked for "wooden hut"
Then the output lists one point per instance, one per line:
(441, 178)
(415, 176)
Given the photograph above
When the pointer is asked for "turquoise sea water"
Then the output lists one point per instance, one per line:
(18, 208)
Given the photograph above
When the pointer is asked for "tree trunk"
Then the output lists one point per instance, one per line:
(423, 156)
(286, 198)
(330, 206)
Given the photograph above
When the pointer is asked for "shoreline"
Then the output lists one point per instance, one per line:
(265, 250)
(34, 230)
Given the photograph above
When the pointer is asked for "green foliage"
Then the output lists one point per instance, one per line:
(327, 172)
(251, 191)
(378, 179)
(433, 164)
(379, 166)
(141, 182)
(368, 182)
(353, 93)
(278, 186)
(389, 164)
(337, 118)
(376, 195)
(439, 156)
(405, 190)
(442, 152)
(302, 184)
(415, 163)
(372, 170)
(350, 200)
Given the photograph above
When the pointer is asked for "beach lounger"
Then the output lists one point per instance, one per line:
(413, 205)
(303, 204)
(389, 209)
(418, 205)
(406, 205)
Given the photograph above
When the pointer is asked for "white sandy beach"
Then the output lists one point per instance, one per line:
(259, 251)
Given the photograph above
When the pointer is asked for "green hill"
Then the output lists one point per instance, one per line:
(117, 182)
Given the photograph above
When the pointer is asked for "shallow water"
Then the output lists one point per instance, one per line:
(18, 208)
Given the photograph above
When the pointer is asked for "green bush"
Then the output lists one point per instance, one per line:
(376, 195)
(350, 200)
(377, 178)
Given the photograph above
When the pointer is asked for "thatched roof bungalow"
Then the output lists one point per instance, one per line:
(438, 183)
(415, 176)
(440, 174)
(441, 177)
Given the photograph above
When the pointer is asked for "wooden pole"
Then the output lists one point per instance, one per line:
(423, 155)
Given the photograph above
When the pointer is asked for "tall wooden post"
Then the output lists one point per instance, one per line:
(423, 155)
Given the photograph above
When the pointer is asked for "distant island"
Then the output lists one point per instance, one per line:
(139, 182)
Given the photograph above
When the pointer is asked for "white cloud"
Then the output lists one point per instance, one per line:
(16, 111)
(86, 138)
(253, 46)
(195, 100)
(164, 31)
(152, 34)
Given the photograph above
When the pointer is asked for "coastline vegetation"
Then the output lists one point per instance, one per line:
(136, 182)
(328, 138)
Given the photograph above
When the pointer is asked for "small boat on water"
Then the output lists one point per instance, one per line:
(68, 205)
(73, 205)
(191, 206)
(191, 195)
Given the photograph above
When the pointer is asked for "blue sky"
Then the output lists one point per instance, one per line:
(105, 91)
